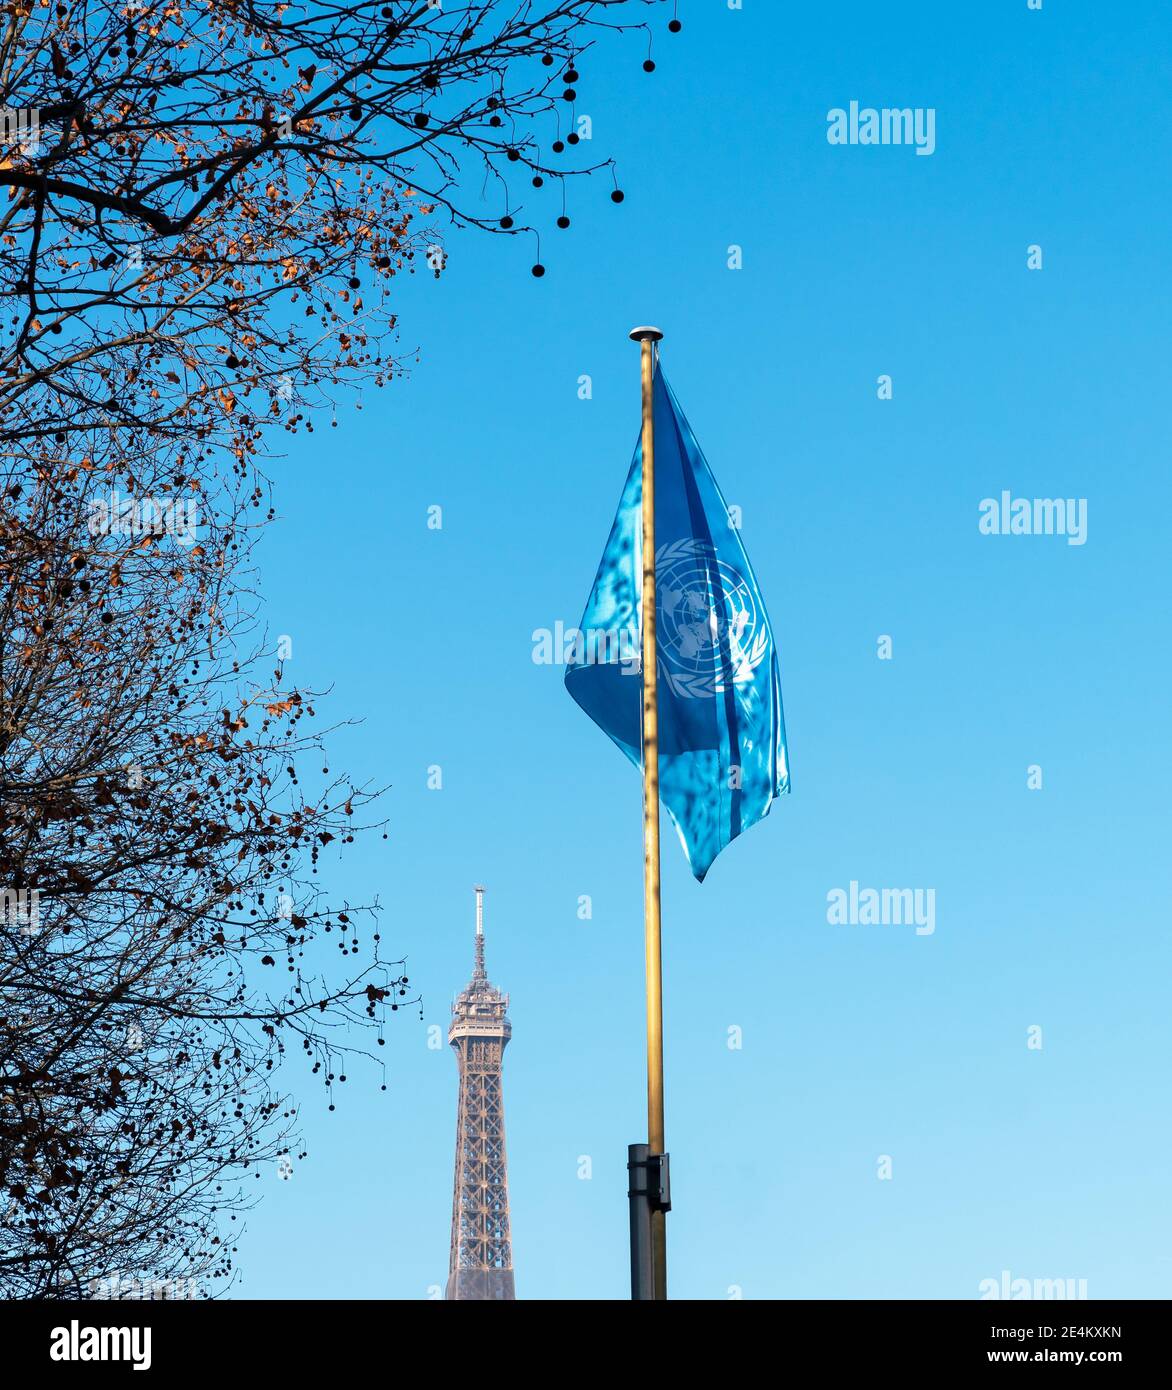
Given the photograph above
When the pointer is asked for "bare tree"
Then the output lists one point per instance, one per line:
(153, 829)
(201, 240)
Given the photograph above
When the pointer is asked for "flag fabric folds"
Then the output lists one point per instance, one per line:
(722, 749)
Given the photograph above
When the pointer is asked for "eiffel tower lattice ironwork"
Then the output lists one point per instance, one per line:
(480, 1265)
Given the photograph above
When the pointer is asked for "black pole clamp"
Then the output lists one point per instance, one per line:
(651, 1178)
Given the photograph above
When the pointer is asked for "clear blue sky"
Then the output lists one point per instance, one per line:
(860, 517)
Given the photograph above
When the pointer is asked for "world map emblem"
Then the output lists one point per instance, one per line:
(710, 632)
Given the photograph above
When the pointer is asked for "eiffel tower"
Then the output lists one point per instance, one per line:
(481, 1262)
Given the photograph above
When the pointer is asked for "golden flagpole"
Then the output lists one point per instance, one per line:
(647, 337)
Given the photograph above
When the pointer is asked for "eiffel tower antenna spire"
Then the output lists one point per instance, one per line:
(478, 973)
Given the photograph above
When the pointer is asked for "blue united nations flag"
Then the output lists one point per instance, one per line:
(722, 750)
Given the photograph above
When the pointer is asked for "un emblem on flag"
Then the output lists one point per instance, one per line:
(709, 630)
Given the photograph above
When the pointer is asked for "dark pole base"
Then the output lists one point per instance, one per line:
(649, 1190)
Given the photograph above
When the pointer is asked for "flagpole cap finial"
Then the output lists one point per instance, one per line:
(645, 334)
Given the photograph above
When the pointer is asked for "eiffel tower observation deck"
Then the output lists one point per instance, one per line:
(480, 1265)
